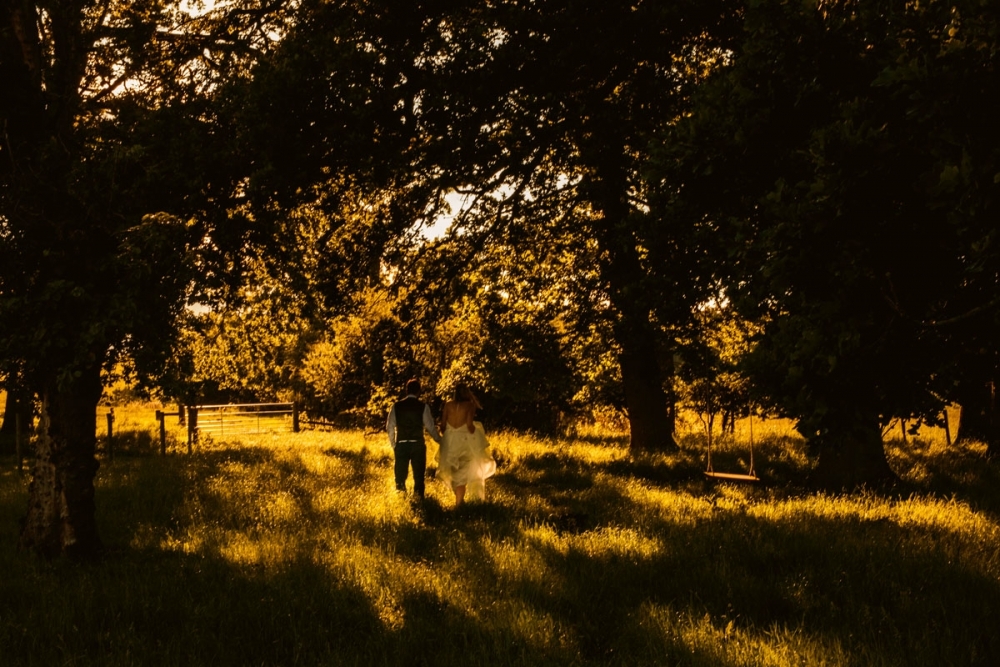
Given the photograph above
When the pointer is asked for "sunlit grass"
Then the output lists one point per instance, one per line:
(702, 640)
(295, 549)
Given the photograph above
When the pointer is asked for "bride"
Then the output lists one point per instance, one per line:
(463, 460)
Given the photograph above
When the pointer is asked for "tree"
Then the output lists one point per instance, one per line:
(712, 381)
(539, 112)
(244, 351)
(546, 124)
(511, 348)
(516, 328)
(845, 155)
(114, 196)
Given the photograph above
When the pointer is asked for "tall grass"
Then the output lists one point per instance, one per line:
(295, 550)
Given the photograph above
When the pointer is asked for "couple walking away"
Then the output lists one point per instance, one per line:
(463, 461)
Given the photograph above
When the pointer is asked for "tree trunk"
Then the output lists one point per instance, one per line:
(61, 514)
(978, 421)
(851, 455)
(649, 417)
(650, 427)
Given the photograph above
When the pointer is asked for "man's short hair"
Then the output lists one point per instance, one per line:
(413, 386)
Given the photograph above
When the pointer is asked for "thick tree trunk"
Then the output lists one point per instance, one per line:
(979, 421)
(650, 423)
(851, 455)
(61, 513)
(649, 416)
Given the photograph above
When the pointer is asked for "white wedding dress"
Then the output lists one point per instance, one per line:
(463, 459)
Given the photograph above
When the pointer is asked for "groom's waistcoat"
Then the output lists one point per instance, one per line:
(410, 419)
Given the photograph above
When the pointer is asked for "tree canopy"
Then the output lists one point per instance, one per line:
(632, 177)
(849, 156)
(115, 194)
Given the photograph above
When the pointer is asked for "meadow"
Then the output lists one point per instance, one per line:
(294, 549)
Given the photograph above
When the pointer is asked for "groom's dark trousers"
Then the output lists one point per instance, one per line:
(410, 453)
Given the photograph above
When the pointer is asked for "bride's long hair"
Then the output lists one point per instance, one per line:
(463, 394)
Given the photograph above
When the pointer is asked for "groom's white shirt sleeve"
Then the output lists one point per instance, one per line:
(390, 427)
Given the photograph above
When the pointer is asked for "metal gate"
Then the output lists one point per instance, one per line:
(222, 421)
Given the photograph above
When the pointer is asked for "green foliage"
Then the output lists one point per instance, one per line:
(115, 177)
(360, 367)
(828, 169)
(249, 351)
(711, 378)
(844, 156)
(515, 361)
(532, 291)
(539, 114)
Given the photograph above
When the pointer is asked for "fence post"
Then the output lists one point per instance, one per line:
(111, 419)
(180, 414)
(947, 428)
(295, 417)
(17, 440)
(192, 424)
(160, 417)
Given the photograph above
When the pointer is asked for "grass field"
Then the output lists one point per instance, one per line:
(293, 549)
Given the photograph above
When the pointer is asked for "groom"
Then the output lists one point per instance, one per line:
(407, 421)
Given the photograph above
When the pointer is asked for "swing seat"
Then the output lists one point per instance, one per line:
(736, 477)
(749, 476)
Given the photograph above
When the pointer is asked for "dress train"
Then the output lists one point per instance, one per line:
(463, 459)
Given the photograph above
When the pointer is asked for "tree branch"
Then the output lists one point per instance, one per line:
(893, 302)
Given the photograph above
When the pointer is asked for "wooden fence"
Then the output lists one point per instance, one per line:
(219, 421)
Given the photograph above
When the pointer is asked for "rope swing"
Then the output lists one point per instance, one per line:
(749, 476)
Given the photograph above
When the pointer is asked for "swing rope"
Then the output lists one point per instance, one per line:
(750, 476)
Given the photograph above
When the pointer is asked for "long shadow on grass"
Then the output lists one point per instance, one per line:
(593, 569)
(156, 496)
(154, 607)
(871, 586)
(246, 605)
(865, 585)
(175, 609)
(359, 461)
(150, 606)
